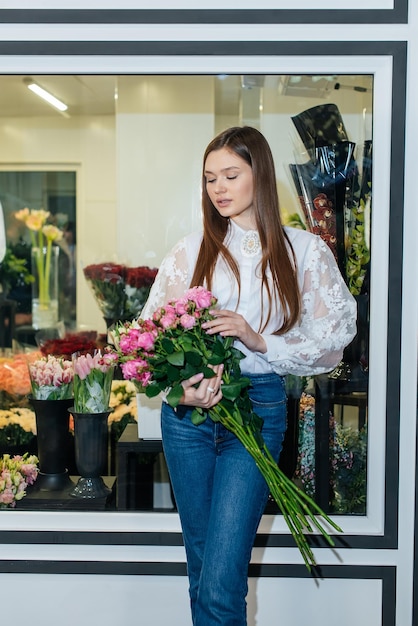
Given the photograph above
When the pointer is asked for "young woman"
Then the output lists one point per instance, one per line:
(280, 294)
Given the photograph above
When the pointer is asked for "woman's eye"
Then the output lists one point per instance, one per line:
(232, 177)
(210, 180)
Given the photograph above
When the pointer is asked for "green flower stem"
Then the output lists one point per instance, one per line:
(41, 274)
(47, 270)
(42, 269)
(296, 506)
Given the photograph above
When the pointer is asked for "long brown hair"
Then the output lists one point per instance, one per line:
(278, 255)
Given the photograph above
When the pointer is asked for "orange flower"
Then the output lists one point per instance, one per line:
(14, 373)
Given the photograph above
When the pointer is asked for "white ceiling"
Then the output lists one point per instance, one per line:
(95, 94)
(84, 95)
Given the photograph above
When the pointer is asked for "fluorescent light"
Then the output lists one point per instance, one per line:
(48, 97)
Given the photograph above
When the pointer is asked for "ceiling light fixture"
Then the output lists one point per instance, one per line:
(45, 95)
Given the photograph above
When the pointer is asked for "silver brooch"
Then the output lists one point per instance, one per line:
(250, 243)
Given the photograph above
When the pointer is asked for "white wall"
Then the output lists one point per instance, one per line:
(163, 124)
(154, 600)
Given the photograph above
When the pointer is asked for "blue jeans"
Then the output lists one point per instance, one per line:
(220, 496)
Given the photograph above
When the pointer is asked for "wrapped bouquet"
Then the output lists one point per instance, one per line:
(120, 291)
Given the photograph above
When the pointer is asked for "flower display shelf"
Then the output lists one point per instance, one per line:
(36, 500)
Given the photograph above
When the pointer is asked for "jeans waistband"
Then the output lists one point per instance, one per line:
(270, 377)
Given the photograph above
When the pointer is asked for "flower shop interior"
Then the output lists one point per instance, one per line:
(94, 195)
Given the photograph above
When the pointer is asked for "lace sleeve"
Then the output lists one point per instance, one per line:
(328, 320)
(172, 280)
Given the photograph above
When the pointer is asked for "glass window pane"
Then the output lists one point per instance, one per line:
(116, 132)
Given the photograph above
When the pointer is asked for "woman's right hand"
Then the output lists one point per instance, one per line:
(206, 394)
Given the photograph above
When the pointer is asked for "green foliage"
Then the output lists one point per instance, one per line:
(349, 470)
(15, 436)
(358, 253)
(14, 271)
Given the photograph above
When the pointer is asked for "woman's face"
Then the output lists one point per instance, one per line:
(230, 186)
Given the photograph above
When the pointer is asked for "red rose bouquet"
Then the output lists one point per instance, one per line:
(138, 282)
(107, 283)
(64, 347)
(120, 291)
(161, 352)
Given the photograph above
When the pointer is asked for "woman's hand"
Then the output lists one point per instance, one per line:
(207, 393)
(230, 324)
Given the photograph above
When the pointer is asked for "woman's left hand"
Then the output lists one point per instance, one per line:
(231, 324)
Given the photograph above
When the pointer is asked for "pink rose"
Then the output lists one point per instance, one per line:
(109, 359)
(132, 369)
(201, 296)
(127, 343)
(180, 306)
(169, 318)
(187, 321)
(146, 341)
(149, 326)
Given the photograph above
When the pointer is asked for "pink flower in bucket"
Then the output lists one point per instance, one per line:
(93, 374)
(51, 378)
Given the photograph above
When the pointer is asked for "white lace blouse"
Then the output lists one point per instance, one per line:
(328, 319)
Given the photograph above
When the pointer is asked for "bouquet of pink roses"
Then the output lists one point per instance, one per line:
(159, 353)
(51, 378)
(93, 374)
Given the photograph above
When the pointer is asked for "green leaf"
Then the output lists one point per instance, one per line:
(257, 421)
(193, 357)
(198, 416)
(175, 395)
(231, 391)
(152, 390)
(167, 345)
(188, 371)
(237, 354)
(259, 439)
(176, 358)
(237, 416)
(208, 372)
(186, 341)
(172, 373)
(216, 360)
(218, 348)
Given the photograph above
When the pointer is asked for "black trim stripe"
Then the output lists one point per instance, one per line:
(397, 15)
(201, 48)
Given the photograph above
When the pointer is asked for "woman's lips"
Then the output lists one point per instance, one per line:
(223, 202)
